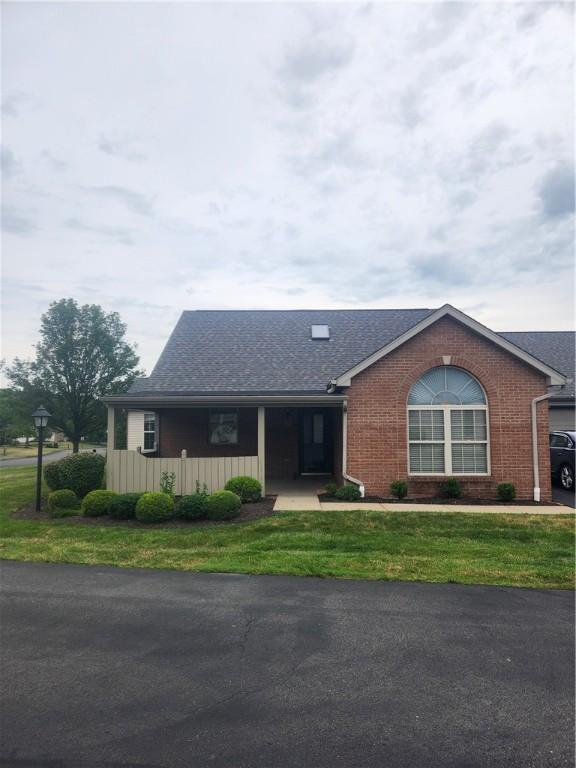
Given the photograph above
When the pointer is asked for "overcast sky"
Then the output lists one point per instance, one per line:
(161, 157)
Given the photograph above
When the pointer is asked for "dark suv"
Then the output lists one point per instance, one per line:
(562, 458)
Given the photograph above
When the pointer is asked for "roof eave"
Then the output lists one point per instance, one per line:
(447, 310)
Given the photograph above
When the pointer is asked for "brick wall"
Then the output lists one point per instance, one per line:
(188, 428)
(377, 432)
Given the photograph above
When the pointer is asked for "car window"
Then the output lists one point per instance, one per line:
(560, 441)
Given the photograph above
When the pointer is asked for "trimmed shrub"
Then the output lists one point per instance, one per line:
(123, 506)
(97, 503)
(348, 493)
(154, 507)
(451, 488)
(193, 507)
(330, 489)
(52, 476)
(62, 503)
(506, 491)
(248, 488)
(399, 489)
(223, 505)
(81, 473)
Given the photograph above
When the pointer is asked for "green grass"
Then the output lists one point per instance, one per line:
(21, 452)
(516, 550)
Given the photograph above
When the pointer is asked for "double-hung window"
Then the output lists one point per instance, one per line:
(448, 424)
(149, 432)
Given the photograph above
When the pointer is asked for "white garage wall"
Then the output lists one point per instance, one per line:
(562, 418)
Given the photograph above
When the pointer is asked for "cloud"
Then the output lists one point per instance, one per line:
(13, 103)
(53, 162)
(134, 201)
(336, 151)
(556, 192)
(118, 234)
(121, 148)
(17, 223)
(440, 268)
(312, 59)
(9, 165)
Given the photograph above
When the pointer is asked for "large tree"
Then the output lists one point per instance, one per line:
(82, 354)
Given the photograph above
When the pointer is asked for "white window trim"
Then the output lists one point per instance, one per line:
(448, 440)
(144, 431)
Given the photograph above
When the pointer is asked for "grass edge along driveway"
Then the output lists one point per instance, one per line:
(513, 550)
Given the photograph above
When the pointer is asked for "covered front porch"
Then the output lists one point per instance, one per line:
(289, 445)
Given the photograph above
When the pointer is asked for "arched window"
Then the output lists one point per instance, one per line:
(447, 424)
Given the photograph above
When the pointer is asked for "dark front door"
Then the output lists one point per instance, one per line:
(315, 442)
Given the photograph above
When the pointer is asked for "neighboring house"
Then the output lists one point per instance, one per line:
(366, 396)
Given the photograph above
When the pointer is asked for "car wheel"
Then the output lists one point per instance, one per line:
(567, 477)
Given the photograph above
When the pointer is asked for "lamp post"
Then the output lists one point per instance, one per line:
(40, 417)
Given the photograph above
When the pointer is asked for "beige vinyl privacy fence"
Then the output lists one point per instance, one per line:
(129, 471)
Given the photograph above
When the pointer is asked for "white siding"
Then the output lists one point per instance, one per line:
(135, 430)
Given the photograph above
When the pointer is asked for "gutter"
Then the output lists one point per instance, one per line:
(346, 476)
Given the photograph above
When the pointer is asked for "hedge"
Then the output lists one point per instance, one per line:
(97, 503)
(247, 488)
(81, 473)
(223, 505)
(154, 507)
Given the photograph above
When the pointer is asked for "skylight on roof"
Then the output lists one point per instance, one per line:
(319, 332)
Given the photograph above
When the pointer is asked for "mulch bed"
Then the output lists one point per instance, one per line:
(249, 512)
(436, 500)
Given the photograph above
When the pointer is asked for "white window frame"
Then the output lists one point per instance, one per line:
(446, 409)
(148, 431)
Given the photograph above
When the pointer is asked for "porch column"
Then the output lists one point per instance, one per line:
(111, 434)
(262, 447)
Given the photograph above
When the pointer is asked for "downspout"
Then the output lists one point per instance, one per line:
(535, 466)
(350, 479)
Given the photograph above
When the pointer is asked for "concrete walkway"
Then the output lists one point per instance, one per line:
(308, 502)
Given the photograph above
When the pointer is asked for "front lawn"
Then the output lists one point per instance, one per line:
(516, 550)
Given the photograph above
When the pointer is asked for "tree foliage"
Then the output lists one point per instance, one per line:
(81, 356)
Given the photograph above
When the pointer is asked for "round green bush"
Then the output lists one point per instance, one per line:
(123, 506)
(52, 476)
(451, 489)
(97, 503)
(348, 493)
(62, 503)
(193, 507)
(154, 507)
(223, 505)
(506, 491)
(399, 489)
(81, 473)
(330, 489)
(248, 488)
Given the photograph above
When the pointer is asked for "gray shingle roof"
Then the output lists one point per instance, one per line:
(556, 348)
(270, 351)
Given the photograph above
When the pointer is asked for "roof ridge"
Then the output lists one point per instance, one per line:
(334, 309)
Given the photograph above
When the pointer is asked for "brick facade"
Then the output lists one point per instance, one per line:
(377, 429)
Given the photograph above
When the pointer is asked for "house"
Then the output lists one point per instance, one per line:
(363, 396)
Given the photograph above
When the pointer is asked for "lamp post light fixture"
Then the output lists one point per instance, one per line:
(40, 417)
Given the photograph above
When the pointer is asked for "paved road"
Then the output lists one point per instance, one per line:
(46, 458)
(150, 669)
(563, 497)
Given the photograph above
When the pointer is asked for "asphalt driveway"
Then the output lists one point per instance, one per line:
(107, 667)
